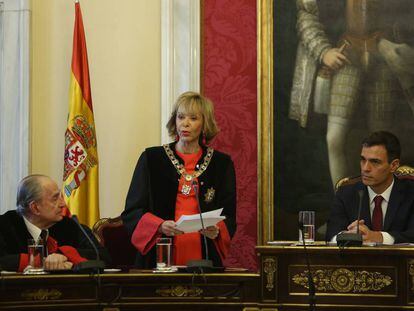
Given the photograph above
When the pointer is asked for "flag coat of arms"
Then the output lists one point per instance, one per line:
(80, 178)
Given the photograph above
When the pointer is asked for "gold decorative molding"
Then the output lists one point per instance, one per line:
(41, 294)
(269, 268)
(180, 291)
(344, 281)
(265, 120)
(411, 273)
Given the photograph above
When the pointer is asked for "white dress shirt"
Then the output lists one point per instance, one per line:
(387, 238)
(33, 230)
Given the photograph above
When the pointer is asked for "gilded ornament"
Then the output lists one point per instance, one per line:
(269, 270)
(41, 294)
(209, 196)
(411, 272)
(186, 187)
(180, 291)
(343, 280)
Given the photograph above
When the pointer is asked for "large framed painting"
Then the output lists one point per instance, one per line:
(330, 72)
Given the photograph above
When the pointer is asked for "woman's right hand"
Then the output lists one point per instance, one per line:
(168, 228)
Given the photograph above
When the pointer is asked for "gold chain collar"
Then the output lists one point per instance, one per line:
(180, 168)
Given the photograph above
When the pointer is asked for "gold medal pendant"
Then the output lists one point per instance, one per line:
(185, 189)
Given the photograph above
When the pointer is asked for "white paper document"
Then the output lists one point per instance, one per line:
(192, 223)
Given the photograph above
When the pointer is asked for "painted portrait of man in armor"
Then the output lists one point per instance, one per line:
(352, 72)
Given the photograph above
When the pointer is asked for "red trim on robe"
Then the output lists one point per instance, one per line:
(52, 245)
(72, 254)
(146, 233)
(23, 262)
(222, 242)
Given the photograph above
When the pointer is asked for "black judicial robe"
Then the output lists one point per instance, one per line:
(154, 188)
(14, 235)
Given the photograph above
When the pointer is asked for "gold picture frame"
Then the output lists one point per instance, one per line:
(265, 200)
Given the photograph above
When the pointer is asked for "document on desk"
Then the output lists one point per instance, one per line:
(192, 223)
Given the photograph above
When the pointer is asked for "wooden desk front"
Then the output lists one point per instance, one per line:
(130, 291)
(365, 278)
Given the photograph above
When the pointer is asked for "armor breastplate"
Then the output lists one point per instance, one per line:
(365, 23)
(363, 17)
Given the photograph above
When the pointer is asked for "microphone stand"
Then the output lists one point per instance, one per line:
(201, 265)
(311, 284)
(90, 265)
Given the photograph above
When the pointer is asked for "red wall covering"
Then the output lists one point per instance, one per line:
(229, 80)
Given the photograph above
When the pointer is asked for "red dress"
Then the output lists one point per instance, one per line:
(187, 246)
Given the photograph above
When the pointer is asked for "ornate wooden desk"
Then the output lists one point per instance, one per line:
(130, 291)
(371, 278)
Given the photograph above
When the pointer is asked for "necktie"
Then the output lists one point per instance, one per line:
(43, 236)
(377, 214)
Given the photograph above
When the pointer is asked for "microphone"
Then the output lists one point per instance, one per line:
(201, 265)
(90, 265)
(311, 284)
(352, 239)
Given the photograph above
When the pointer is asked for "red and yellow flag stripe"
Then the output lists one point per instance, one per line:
(81, 179)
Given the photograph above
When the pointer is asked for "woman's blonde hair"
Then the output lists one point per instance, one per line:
(195, 102)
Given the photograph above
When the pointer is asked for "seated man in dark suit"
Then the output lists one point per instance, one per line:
(39, 212)
(387, 212)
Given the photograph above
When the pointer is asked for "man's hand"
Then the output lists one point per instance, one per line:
(57, 262)
(352, 228)
(168, 228)
(367, 234)
(334, 59)
(211, 232)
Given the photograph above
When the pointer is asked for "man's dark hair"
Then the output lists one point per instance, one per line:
(386, 139)
(29, 190)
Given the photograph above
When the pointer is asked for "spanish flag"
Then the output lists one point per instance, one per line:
(80, 178)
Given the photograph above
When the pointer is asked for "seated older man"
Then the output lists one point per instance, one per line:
(39, 212)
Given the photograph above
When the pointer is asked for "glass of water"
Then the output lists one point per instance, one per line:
(163, 250)
(35, 249)
(307, 219)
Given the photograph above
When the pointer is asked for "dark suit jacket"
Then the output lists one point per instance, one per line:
(399, 218)
(14, 235)
(154, 189)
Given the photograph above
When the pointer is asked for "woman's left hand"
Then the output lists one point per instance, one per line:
(211, 232)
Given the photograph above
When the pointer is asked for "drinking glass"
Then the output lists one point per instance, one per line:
(35, 249)
(163, 250)
(307, 219)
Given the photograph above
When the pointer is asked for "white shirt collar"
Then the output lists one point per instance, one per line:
(33, 230)
(386, 194)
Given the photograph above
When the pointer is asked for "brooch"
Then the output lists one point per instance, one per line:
(209, 195)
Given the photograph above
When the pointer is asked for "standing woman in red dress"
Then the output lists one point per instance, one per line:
(162, 188)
